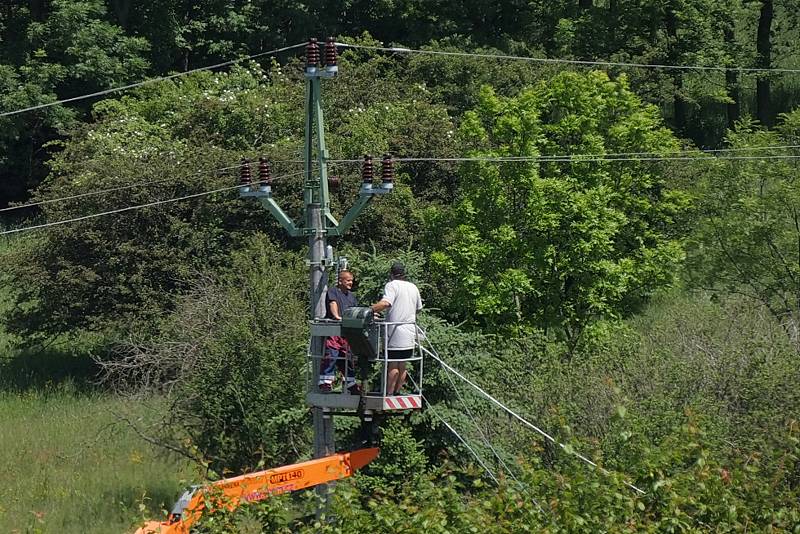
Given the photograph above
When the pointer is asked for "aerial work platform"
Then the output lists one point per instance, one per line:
(370, 361)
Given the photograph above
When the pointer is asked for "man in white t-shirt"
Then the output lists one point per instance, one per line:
(403, 301)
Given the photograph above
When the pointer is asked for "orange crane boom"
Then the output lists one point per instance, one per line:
(231, 492)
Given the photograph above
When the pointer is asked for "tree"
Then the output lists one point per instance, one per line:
(108, 273)
(747, 242)
(558, 244)
(55, 50)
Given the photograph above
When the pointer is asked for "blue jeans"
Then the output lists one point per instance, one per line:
(337, 359)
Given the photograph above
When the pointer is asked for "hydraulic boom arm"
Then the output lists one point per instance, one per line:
(231, 492)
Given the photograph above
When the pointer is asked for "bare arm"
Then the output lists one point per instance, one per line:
(380, 306)
(334, 309)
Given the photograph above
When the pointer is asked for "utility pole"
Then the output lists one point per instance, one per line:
(318, 222)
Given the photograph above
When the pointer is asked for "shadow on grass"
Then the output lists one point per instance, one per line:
(48, 368)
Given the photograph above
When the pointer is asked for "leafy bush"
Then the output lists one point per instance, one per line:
(230, 364)
(688, 489)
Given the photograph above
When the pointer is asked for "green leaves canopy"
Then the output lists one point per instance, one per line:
(748, 236)
(557, 243)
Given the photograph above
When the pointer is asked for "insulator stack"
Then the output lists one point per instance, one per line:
(387, 170)
(264, 172)
(367, 172)
(245, 176)
(330, 52)
(312, 54)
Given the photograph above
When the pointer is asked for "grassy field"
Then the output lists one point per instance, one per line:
(67, 466)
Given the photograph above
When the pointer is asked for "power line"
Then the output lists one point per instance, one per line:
(530, 425)
(83, 195)
(128, 208)
(403, 50)
(618, 156)
(591, 159)
(453, 430)
(484, 437)
(148, 81)
(565, 158)
(130, 186)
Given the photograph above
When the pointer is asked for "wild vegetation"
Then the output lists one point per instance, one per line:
(613, 282)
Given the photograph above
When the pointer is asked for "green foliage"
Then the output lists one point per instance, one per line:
(557, 245)
(229, 361)
(726, 463)
(400, 466)
(103, 273)
(694, 400)
(70, 50)
(746, 241)
(272, 515)
(689, 489)
(77, 44)
(372, 270)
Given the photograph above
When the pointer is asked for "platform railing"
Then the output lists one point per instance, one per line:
(379, 364)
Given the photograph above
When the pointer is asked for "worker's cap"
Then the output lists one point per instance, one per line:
(398, 269)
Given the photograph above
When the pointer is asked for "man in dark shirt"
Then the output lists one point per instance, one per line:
(337, 350)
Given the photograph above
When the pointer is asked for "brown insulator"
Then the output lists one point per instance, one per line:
(245, 176)
(387, 170)
(367, 173)
(312, 53)
(334, 182)
(330, 52)
(264, 172)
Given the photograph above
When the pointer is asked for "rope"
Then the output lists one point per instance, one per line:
(453, 430)
(480, 431)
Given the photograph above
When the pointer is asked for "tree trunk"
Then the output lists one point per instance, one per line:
(733, 108)
(122, 9)
(764, 50)
(38, 9)
(731, 76)
(679, 104)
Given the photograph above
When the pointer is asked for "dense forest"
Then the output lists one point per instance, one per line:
(606, 238)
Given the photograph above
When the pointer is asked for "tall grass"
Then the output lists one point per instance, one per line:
(67, 465)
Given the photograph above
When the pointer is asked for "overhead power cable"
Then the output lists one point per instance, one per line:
(128, 208)
(126, 187)
(483, 435)
(101, 191)
(456, 434)
(148, 81)
(597, 63)
(524, 421)
(83, 195)
(699, 155)
(598, 158)
(565, 158)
